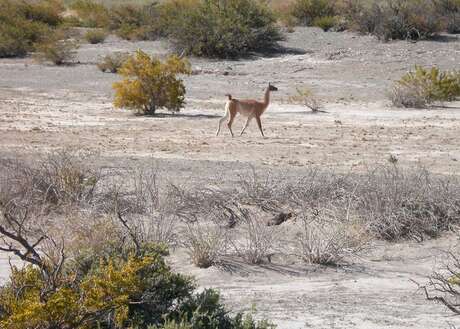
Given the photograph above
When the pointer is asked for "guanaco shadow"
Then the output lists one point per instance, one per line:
(180, 115)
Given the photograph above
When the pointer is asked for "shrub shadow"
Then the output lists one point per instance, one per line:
(444, 38)
(278, 51)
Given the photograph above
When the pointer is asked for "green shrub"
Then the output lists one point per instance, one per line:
(326, 22)
(56, 49)
(44, 11)
(425, 86)
(17, 36)
(133, 22)
(110, 293)
(224, 29)
(128, 289)
(150, 84)
(22, 24)
(449, 13)
(112, 63)
(306, 11)
(283, 13)
(390, 19)
(95, 36)
(91, 14)
(205, 311)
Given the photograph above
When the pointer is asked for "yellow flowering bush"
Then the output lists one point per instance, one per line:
(123, 292)
(150, 84)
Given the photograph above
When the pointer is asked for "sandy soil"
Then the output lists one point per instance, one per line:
(46, 107)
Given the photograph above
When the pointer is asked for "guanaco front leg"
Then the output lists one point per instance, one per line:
(230, 122)
(246, 125)
(259, 123)
(225, 117)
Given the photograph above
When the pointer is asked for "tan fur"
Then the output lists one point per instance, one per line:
(248, 108)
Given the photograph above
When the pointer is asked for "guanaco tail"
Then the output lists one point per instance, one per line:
(248, 108)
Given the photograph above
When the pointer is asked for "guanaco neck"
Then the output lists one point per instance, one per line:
(267, 98)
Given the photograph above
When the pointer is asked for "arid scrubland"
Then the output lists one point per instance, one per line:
(120, 208)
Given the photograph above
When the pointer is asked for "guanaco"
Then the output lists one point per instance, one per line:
(248, 108)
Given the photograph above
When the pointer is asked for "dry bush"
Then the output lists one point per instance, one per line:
(60, 178)
(393, 203)
(191, 205)
(112, 62)
(319, 188)
(133, 199)
(95, 36)
(399, 204)
(394, 19)
(56, 49)
(413, 96)
(444, 285)
(262, 192)
(255, 241)
(306, 98)
(327, 240)
(205, 244)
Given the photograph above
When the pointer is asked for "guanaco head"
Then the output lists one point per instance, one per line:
(272, 87)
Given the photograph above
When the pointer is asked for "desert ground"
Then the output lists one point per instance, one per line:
(44, 108)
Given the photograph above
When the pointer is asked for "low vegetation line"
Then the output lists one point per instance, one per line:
(212, 28)
(95, 240)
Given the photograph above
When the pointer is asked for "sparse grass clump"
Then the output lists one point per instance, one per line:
(150, 84)
(422, 87)
(95, 36)
(214, 28)
(113, 62)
